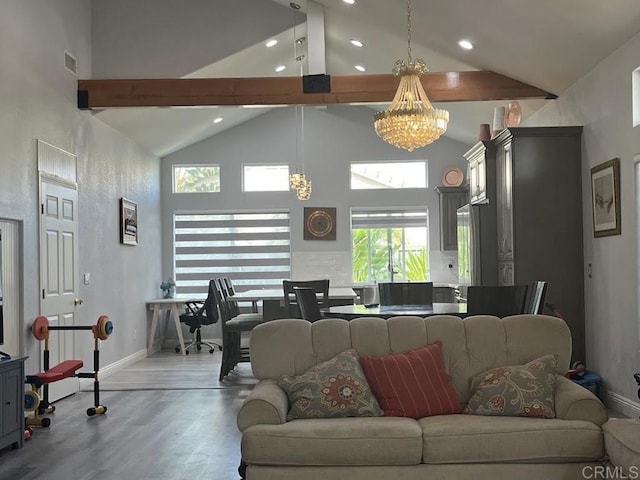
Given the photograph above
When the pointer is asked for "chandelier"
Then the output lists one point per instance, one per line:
(297, 180)
(410, 121)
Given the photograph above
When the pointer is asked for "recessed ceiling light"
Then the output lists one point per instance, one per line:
(271, 43)
(280, 68)
(349, 2)
(356, 42)
(360, 68)
(466, 44)
(217, 120)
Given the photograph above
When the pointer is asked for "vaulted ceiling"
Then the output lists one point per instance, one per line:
(547, 44)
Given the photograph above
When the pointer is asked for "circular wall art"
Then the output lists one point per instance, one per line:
(452, 177)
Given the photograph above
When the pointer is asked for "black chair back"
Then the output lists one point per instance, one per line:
(320, 288)
(406, 293)
(501, 301)
(198, 313)
(308, 303)
(220, 295)
(536, 295)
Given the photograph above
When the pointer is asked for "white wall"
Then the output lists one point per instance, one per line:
(602, 102)
(38, 98)
(333, 137)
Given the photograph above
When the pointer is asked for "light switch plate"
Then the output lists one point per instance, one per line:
(87, 278)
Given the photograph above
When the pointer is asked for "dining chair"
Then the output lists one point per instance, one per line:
(308, 303)
(501, 301)
(406, 293)
(233, 325)
(536, 294)
(320, 288)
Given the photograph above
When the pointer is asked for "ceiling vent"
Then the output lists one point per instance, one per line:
(70, 63)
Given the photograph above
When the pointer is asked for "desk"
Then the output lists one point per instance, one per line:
(275, 298)
(171, 305)
(349, 312)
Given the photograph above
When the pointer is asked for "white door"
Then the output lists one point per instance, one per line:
(59, 272)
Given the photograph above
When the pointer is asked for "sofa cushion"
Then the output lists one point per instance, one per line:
(335, 388)
(335, 441)
(520, 390)
(622, 442)
(483, 439)
(412, 384)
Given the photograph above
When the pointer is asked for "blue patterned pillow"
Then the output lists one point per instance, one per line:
(332, 389)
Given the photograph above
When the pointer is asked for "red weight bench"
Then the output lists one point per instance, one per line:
(33, 403)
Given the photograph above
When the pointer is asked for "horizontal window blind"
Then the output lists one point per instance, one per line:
(389, 218)
(251, 248)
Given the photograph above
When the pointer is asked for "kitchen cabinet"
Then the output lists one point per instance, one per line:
(12, 402)
(539, 217)
(451, 198)
(481, 172)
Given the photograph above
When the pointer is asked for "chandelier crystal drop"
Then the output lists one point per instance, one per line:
(411, 121)
(303, 192)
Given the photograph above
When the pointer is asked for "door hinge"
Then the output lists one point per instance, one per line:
(43, 293)
(42, 208)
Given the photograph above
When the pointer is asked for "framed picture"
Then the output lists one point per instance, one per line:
(605, 198)
(319, 223)
(128, 222)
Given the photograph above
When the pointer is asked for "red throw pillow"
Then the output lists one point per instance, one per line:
(414, 384)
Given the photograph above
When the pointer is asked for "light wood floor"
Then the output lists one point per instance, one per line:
(182, 431)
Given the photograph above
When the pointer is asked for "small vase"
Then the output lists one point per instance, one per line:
(485, 132)
(498, 120)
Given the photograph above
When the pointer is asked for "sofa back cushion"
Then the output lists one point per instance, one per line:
(469, 346)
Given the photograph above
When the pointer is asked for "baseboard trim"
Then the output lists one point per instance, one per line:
(622, 404)
(106, 372)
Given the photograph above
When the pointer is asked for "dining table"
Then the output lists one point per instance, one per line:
(273, 300)
(349, 312)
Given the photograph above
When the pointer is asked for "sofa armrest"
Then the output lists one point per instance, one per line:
(266, 404)
(574, 402)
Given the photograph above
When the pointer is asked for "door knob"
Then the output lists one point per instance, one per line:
(78, 301)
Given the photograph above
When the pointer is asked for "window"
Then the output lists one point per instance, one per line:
(390, 245)
(388, 175)
(196, 178)
(252, 249)
(265, 178)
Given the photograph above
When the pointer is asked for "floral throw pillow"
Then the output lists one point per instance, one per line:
(517, 391)
(331, 389)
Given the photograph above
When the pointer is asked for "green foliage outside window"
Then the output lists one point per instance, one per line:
(371, 256)
(196, 179)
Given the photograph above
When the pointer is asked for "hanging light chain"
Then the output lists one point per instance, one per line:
(409, 30)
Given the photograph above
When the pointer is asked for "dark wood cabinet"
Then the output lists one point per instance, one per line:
(481, 173)
(537, 204)
(451, 198)
(539, 211)
(12, 402)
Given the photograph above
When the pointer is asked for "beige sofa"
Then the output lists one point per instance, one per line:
(439, 447)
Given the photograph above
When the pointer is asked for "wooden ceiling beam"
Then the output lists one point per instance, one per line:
(440, 87)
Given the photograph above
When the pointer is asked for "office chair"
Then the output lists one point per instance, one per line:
(406, 293)
(500, 301)
(233, 325)
(320, 288)
(197, 315)
(308, 303)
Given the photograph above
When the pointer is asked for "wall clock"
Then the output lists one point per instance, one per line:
(319, 223)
